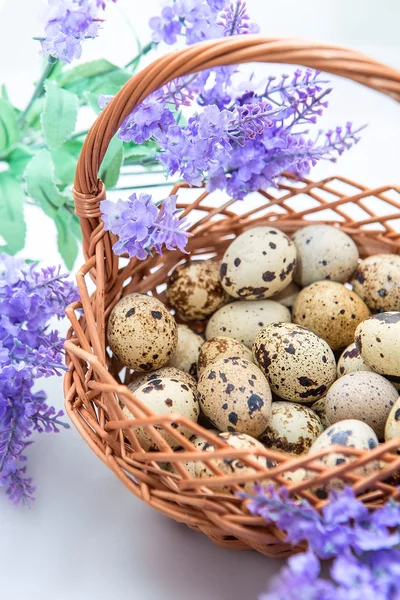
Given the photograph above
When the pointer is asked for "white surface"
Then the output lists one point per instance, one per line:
(86, 537)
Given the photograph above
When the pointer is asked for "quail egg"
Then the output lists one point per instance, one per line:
(392, 427)
(292, 428)
(258, 263)
(163, 396)
(331, 311)
(363, 396)
(221, 347)
(377, 282)
(194, 289)
(235, 396)
(350, 361)
(187, 351)
(141, 332)
(324, 252)
(378, 341)
(171, 372)
(243, 320)
(287, 296)
(319, 407)
(200, 444)
(299, 365)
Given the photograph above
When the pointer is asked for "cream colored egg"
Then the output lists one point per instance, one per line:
(235, 396)
(200, 444)
(221, 347)
(141, 332)
(324, 252)
(164, 396)
(364, 396)
(258, 264)
(377, 282)
(287, 296)
(171, 372)
(235, 466)
(187, 351)
(350, 361)
(243, 320)
(331, 311)
(292, 428)
(194, 289)
(378, 341)
(319, 407)
(392, 427)
(299, 365)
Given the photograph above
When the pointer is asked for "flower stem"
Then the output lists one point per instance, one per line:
(145, 50)
(50, 65)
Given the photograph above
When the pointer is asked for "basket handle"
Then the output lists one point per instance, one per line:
(88, 190)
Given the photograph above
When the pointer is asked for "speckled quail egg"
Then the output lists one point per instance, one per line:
(171, 372)
(377, 282)
(319, 407)
(331, 311)
(221, 347)
(187, 351)
(378, 341)
(163, 396)
(299, 365)
(292, 428)
(235, 466)
(363, 396)
(324, 252)
(392, 427)
(194, 289)
(243, 320)
(350, 433)
(141, 332)
(350, 361)
(287, 296)
(235, 396)
(258, 263)
(200, 444)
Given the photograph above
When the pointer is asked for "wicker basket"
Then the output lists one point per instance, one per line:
(94, 384)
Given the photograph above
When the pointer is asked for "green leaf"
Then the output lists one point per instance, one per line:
(92, 100)
(64, 166)
(66, 241)
(73, 147)
(4, 93)
(75, 226)
(59, 115)
(111, 165)
(18, 158)
(40, 185)
(97, 77)
(12, 224)
(8, 125)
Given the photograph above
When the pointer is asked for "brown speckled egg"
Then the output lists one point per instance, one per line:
(350, 361)
(221, 347)
(235, 396)
(243, 320)
(378, 341)
(236, 466)
(194, 289)
(319, 407)
(163, 396)
(292, 428)
(258, 264)
(324, 252)
(299, 365)
(288, 296)
(350, 433)
(141, 332)
(377, 282)
(171, 372)
(363, 396)
(331, 311)
(200, 444)
(392, 427)
(187, 351)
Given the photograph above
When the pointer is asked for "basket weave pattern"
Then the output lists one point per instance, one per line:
(95, 383)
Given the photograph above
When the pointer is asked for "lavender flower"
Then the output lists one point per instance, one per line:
(143, 227)
(235, 19)
(69, 22)
(28, 350)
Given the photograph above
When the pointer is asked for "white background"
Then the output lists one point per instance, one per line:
(86, 537)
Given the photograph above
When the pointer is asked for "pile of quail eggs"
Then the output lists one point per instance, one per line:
(301, 348)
